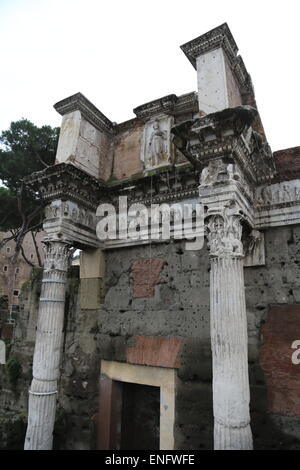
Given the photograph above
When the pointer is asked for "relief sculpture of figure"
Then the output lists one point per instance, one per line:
(157, 150)
(255, 248)
(210, 174)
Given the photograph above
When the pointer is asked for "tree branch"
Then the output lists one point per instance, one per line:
(40, 158)
(25, 257)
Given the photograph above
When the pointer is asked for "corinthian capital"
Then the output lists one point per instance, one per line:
(224, 232)
(57, 255)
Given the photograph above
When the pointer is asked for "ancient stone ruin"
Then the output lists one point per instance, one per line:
(154, 344)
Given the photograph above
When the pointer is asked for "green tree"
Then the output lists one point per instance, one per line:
(24, 149)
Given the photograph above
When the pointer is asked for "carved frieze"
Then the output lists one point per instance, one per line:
(277, 204)
(72, 211)
(68, 220)
(279, 193)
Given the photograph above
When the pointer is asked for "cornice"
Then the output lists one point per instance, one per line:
(226, 134)
(169, 104)
(67, 182)
(79, 102)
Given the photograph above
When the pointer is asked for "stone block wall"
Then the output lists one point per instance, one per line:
(173, 303)
(165, 323)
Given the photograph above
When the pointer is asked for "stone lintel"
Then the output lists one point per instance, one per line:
(79, 102)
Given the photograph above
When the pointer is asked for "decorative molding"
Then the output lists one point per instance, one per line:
(66, 181)
(79, 102)
(169, 184)
(170, 104)
(226, 134)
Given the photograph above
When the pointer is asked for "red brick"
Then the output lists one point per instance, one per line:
(282, 376)
(7, 331)
(155, 351)
(146, 275)
(287, 164)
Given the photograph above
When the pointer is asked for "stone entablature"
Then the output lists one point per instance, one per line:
(227, 134)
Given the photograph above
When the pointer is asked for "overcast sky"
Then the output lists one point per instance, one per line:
(123, 53)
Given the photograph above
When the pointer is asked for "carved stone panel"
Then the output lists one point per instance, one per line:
(217, 171)
(255, 249)
(278, 204)
(156, 144)
(287, 191)
(72, 222)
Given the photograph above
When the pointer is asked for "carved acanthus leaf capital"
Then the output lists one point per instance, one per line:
(57, 255)
(224, 232)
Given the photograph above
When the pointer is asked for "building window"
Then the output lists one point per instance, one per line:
(31, 256)
(16, 293)
(5, 269)
(17, 270)
(8, 249)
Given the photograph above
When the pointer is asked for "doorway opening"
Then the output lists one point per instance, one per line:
(136, 407)
(140, 417)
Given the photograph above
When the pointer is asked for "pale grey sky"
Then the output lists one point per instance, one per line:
(123, 53)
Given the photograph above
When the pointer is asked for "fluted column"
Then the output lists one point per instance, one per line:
(229, 339)
(46, 359)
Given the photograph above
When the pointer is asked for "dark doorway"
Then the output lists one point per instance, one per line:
(140, 417)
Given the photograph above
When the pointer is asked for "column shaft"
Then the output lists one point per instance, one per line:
(229, 338)
(230, 355)
(46, 359)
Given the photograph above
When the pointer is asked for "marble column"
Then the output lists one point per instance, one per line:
(46, 359)
(229, 339)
